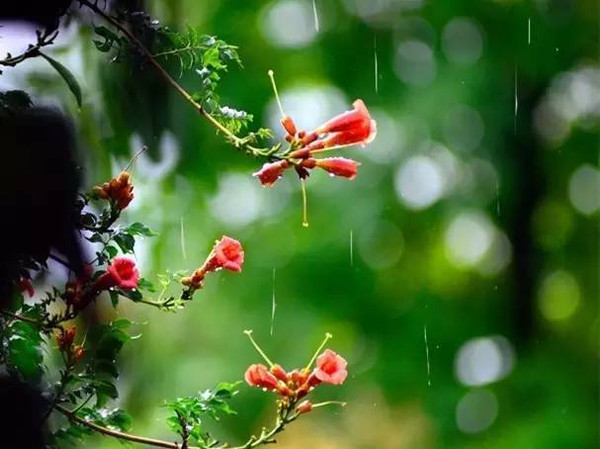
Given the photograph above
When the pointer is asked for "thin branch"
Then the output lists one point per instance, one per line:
(115, 433)
(20, 317)
(235, 140)
(44, 39)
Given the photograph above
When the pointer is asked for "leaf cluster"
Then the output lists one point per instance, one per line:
(189, 413)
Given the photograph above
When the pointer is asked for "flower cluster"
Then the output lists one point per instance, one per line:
(227, 253)
(65, 340)
(330, 368)
(118, 189)
(355, 127)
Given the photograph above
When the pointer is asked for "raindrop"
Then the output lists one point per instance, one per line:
(273, 304)
(427, 355)
(316, 14)
(376, 68)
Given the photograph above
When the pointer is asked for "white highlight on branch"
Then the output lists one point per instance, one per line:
(529, 31)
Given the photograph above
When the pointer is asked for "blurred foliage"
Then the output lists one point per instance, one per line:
(370, 269)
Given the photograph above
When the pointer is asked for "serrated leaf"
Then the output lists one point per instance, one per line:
(67, 76)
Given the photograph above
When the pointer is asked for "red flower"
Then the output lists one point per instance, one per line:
(24, 285)
(122, 273)
(349, 128)
(279, 373)
(339, 166)
(331, 368)
(271, 172)
(259, 376)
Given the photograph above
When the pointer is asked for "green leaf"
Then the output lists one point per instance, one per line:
(120, 420)
(111, 251)
(24, 350)
(125, 241)
(140, 229)
(66, 75)
(145, 284)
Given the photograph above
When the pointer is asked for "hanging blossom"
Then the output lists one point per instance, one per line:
(292, 386)
(355, 127)
(227, 253)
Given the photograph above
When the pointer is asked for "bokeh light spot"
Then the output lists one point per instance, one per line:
(468, 238)
(381, 244)
(462, 41)
(419, 182)
(481, 361)
(414, 63)
(559, 296)
(289, 23)
(584, 189)
(476, 411)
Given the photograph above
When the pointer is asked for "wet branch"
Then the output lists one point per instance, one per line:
(238, 142)
(117, 434)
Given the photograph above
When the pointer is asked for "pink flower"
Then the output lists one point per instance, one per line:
(258, 375)
(339, 166)
(227, 253)
(122, 273)
(271, 172)
(331, 368)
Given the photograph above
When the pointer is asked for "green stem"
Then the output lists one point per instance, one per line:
(267, 437)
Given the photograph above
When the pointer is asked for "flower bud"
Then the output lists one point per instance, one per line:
(288, 124)
(304, 407)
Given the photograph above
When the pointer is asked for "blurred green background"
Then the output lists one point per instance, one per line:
(458, 272)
